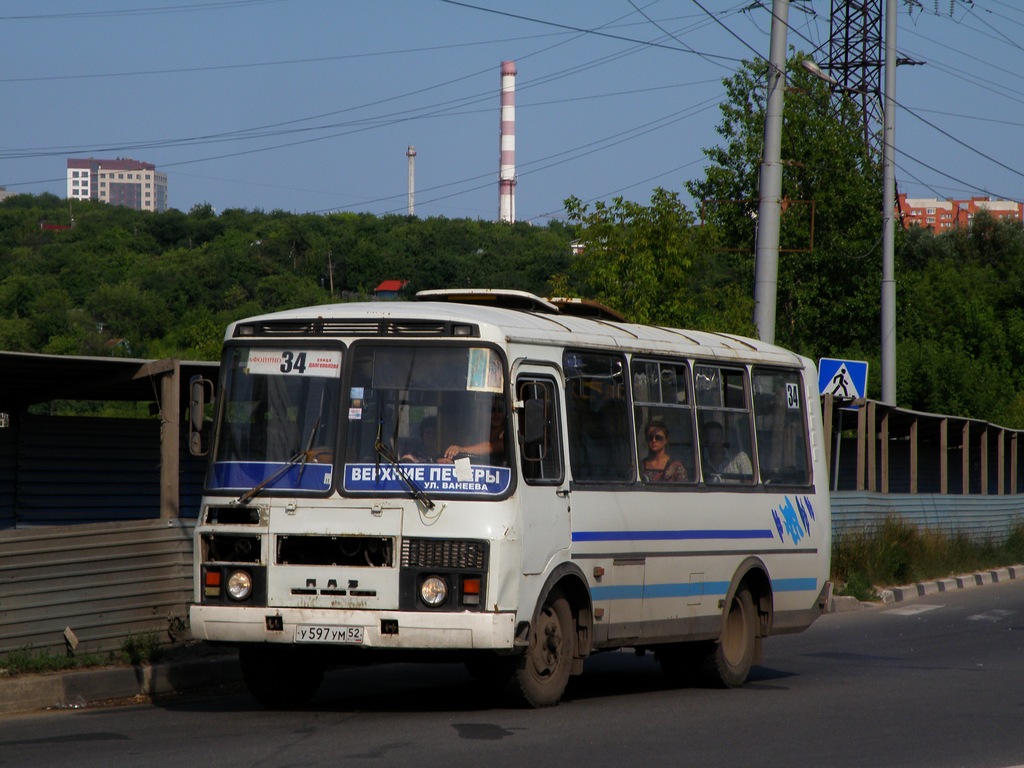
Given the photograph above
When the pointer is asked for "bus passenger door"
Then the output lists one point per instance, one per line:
(543, 488)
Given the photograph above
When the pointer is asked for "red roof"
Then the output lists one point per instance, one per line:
(391, 286)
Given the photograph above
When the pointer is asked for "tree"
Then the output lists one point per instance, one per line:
(968, 358)
(635, 258)
(126, 311)
(828, 286)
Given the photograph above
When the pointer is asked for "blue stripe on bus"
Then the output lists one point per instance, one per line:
(706, 588)
(795, 585)
(755, 533)
(686, 590)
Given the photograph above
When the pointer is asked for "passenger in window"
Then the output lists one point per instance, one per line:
(493, 446)
(422, 452)
(659, 467)
(721, 464)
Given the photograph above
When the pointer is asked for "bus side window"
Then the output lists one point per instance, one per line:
(724, 425)
(779, 419)
(661, 397)
(539, 434)
(600, 444)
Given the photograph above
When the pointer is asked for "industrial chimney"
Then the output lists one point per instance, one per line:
(411, 154)
(507, 166)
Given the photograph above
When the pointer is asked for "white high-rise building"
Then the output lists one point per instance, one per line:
(122, 181)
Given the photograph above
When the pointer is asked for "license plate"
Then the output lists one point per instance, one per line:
(323, 633)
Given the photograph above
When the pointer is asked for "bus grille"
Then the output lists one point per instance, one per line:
(444, 553)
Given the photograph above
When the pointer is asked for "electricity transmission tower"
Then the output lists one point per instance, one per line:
(855, 61)
(855, 57)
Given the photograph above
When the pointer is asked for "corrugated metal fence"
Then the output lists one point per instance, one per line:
(103, 581)
(979, 517)
(82, 546)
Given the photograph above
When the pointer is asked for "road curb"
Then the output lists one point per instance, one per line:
(924, 588)
(77, 689)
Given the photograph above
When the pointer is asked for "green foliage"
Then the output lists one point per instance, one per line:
(640, 260)
(141, 649)
(966, 358)
(135, 649)
(26, 661)
(829, 263)
(896, 552)
(166, 285)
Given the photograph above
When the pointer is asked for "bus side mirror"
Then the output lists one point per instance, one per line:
(200, 392)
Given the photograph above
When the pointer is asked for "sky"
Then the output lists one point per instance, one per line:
(311, 105)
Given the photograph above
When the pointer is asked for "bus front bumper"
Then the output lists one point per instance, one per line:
(369, 629)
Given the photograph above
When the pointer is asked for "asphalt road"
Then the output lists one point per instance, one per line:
(932, 682)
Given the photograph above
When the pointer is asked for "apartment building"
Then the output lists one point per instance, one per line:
(122, 181)
(940, 215)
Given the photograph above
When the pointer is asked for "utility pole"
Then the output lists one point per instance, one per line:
(888, 299)
(769, 205)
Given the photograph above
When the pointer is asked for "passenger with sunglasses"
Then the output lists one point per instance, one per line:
(659, 467)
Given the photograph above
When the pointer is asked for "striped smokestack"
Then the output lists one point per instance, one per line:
(507, 167)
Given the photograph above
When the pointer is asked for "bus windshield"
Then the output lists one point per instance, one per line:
(432, 415)
(278, 420)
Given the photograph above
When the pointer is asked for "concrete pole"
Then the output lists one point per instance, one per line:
(888, 299)
(769, 206)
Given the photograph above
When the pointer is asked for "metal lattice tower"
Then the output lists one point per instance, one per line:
(855, 60)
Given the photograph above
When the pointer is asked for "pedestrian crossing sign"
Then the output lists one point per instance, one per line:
(843, 379)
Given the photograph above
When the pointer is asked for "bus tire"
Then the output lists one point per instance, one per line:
(279, 678)
(729, 660)
(543, 671)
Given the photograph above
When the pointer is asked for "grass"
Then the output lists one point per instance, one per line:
(25, 661)
(135, 649)
(896, 552)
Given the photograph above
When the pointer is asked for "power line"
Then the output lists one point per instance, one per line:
(596, 32)
(150, 11)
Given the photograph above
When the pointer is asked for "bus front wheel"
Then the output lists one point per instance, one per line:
(729, 660)
(543, 672)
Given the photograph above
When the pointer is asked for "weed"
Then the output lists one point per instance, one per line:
(897, 552)
(26, 661)
(141, 649)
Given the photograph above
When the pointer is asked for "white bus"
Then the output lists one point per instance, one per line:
(513, 482)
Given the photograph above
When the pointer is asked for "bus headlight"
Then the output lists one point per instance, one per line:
(239, 585)
(434, 591)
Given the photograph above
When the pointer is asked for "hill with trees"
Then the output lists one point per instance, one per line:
(123, 282)
(158, 285)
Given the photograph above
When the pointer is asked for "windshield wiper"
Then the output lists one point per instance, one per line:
(385, 452)
(312, 436)
(246, 497)
(299, 458)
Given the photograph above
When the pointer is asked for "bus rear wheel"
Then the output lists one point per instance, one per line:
(729, 660)
(279, 677)
(543, 672)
